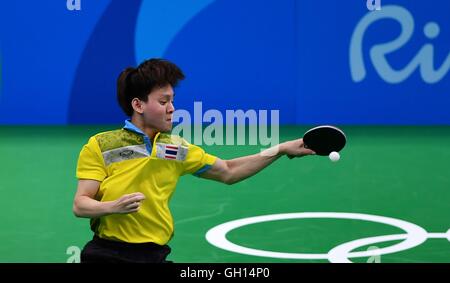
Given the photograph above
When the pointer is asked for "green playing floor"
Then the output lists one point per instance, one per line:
(398, 172)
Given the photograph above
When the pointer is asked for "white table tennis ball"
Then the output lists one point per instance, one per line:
(334, 156)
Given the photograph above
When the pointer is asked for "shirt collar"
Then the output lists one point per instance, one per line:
(131, 127)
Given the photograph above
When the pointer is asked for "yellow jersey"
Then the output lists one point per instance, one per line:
(126, 161)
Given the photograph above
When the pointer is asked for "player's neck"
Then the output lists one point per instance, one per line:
(150, 132)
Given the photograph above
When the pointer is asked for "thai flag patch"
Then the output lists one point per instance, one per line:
(171, 151)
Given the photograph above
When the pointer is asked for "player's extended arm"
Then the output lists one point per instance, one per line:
(238, 169)
(85, 204)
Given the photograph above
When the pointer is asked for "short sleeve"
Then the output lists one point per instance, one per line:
(197, 160)
(90, 162)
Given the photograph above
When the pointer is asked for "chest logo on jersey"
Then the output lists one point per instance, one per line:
(126, 153)
(171, 151)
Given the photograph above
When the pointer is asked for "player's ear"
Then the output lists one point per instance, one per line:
(137, 105)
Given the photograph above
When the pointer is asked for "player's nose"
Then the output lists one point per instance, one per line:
(170, 108)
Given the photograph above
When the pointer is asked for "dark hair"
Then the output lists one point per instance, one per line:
(139, 82)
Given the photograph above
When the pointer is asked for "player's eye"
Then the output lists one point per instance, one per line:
(163, 102)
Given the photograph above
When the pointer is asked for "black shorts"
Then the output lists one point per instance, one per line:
(106, 251)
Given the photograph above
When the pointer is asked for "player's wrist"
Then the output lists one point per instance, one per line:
(107, 207)
(282, 149)
(274, 151)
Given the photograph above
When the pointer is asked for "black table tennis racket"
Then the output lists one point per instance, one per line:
(324, 139)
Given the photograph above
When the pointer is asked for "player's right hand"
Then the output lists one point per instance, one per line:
(127, 203)
(295, 148)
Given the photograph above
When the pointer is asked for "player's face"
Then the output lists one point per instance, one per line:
(158, 110)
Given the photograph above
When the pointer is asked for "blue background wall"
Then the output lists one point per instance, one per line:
(60, 66)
